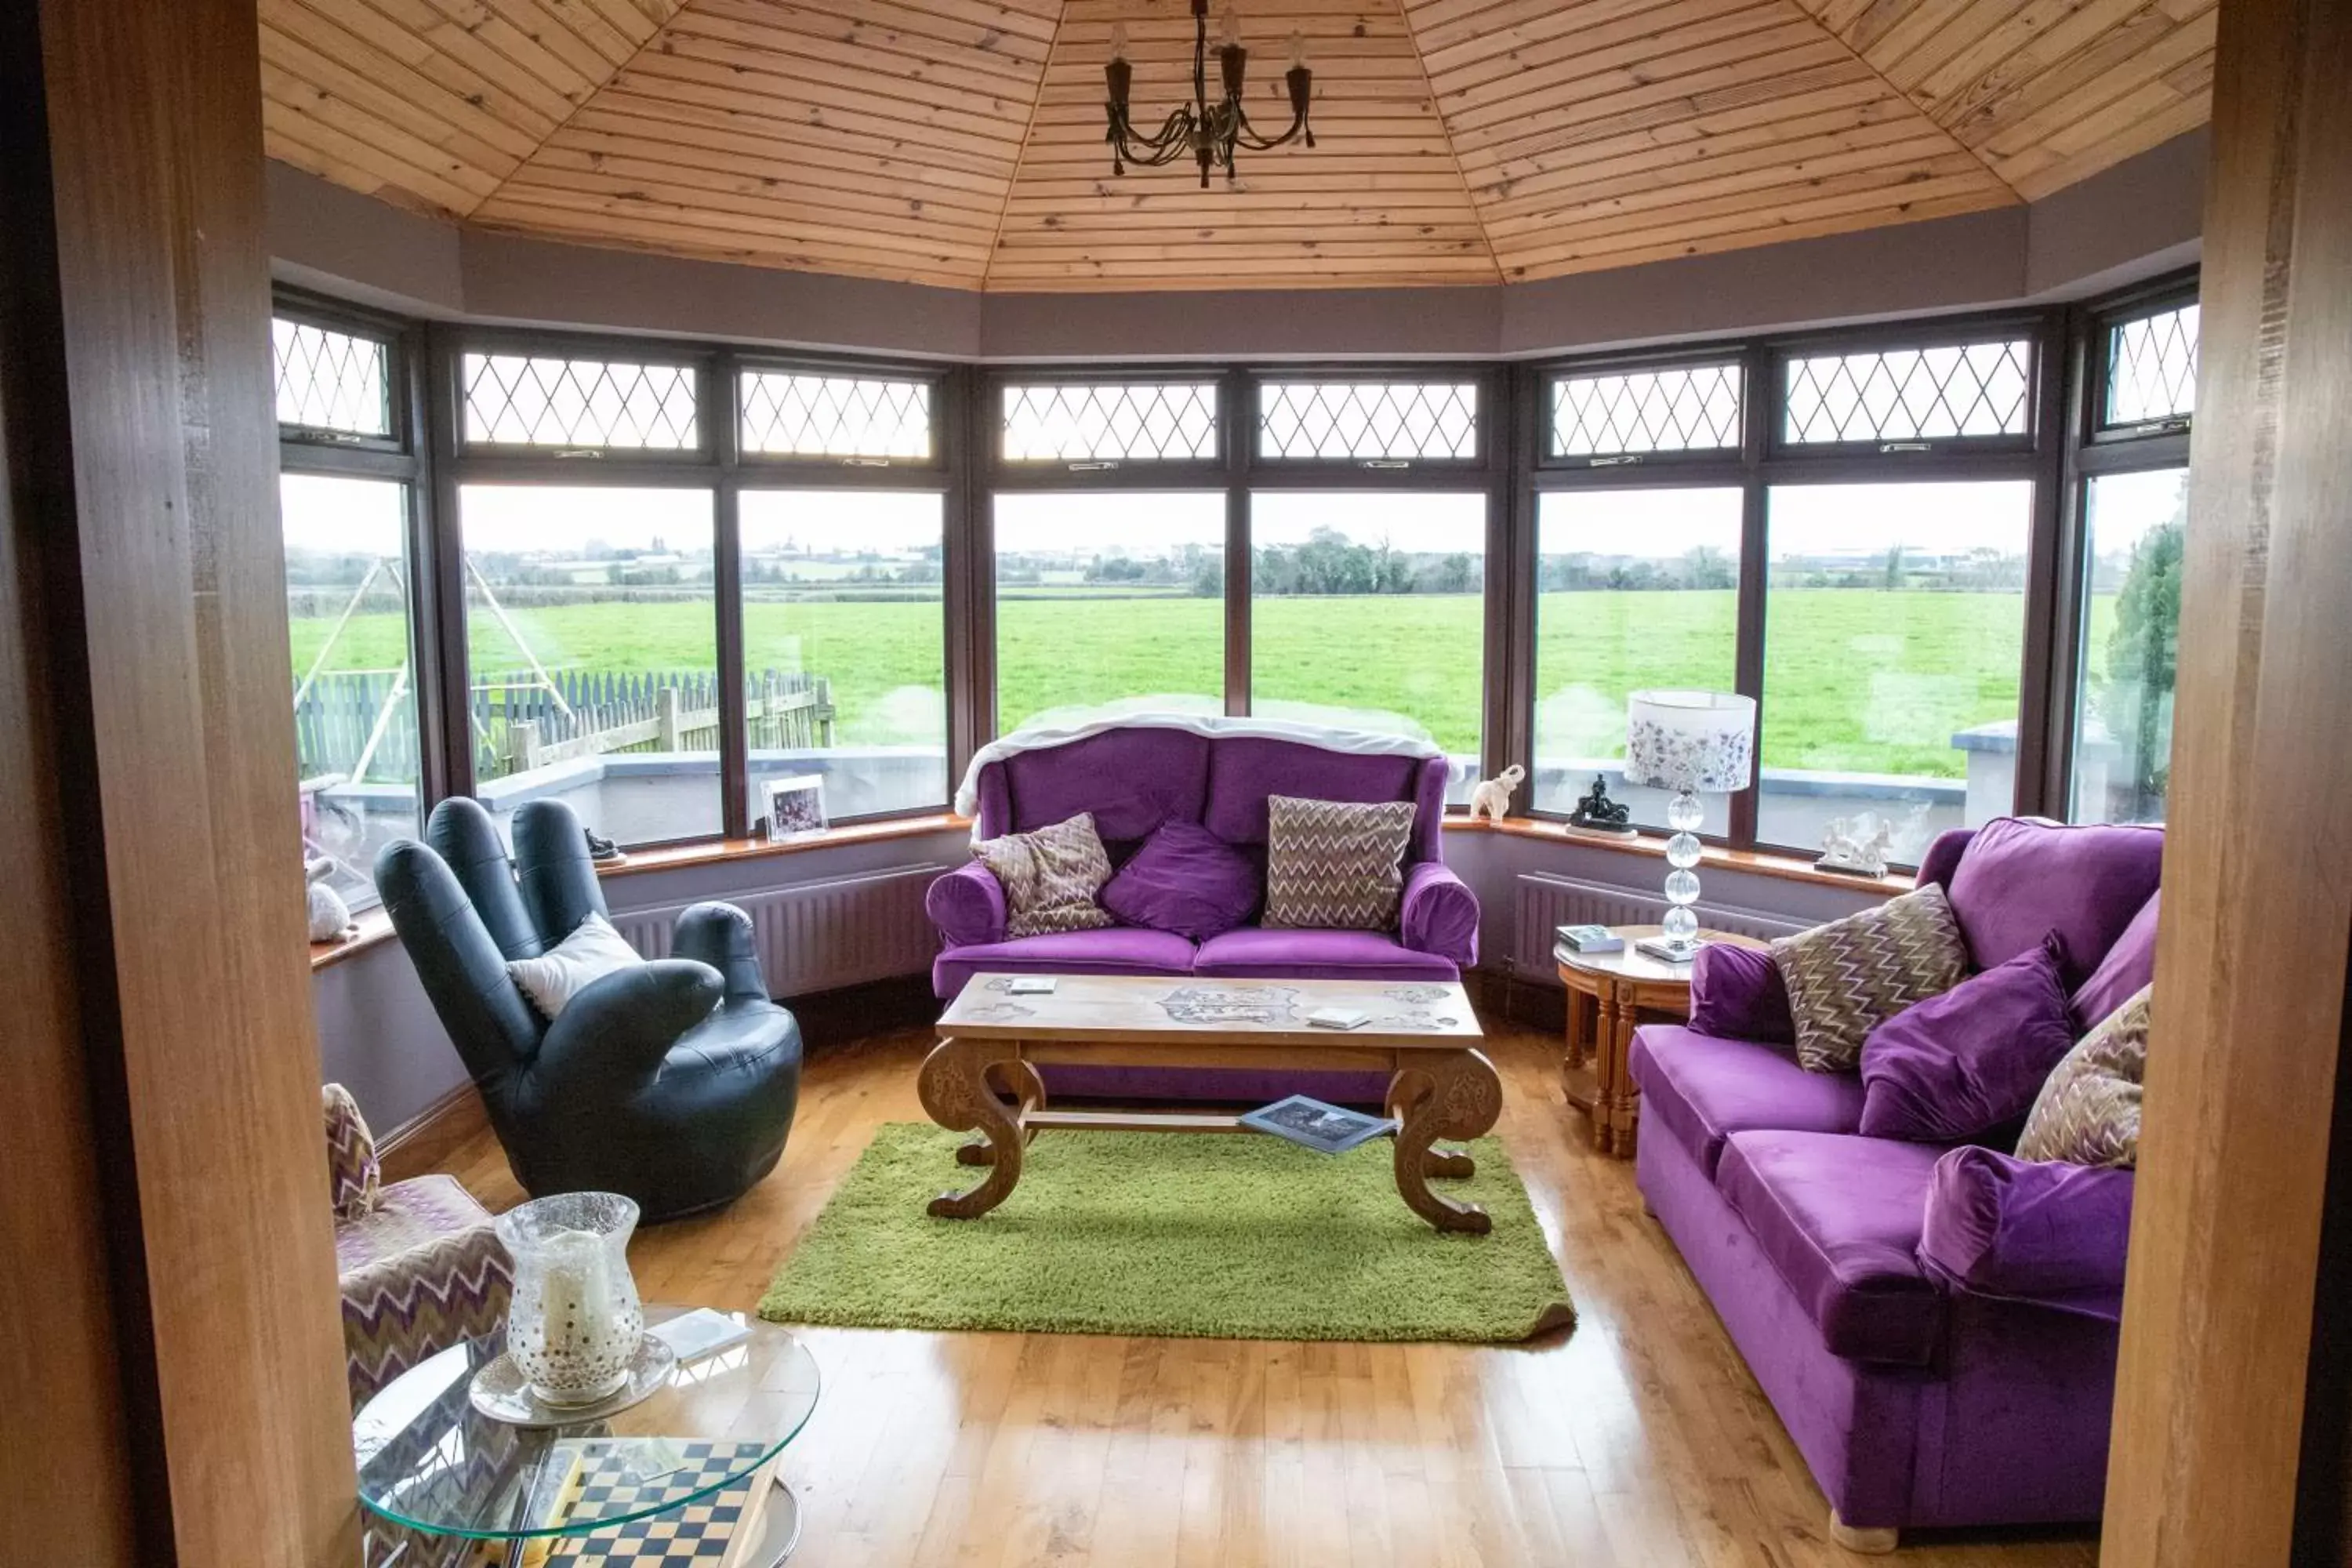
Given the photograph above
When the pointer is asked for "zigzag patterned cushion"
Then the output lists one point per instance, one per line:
(2089, 1110)
(352, 1173)
(1849, 976)
(1334, 864)
(1050, 877)
(423, 1271)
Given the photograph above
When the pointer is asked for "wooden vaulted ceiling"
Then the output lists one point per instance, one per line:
(960, 142)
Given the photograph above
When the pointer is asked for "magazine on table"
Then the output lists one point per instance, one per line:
(1313, 1124)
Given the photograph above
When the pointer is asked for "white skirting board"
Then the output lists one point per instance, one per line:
(1543, 902)
(819, 936)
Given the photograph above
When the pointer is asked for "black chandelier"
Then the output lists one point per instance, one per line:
(1209, 131)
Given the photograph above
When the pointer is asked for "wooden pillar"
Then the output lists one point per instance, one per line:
(2242, 1078)
(174, 1392)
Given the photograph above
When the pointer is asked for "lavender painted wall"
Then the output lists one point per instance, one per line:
(2134, 220)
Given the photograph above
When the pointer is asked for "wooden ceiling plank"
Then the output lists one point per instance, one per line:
(990, 112)
(583, 146)
(1754, 80)
(465, 134)
(353, 32)
(550, 31)
(443, 21)
(979, 72)
(672, 236)
(1962, 32)
(427, 187)
(863, 24)
(1541, 91)
(413, 152)
(1675, 185)
(1855, 98)
(1614, 217)
(1788, 228)
(450, 40)
(2118, 30)
(1642, 157)
(2064, 93)
(1884, 35)
(685, 82)
(628, 19)
(726, 193)
(843, 228)
(2160, 127)
(1608, 24)
(624, 111)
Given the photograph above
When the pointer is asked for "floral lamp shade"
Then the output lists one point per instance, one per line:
(1690, 741)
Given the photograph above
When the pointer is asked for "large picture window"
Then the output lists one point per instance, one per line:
(1634, 589)
(593, 655)
(1107, 603)
(844, 640)
(1894, 634)
(1367, 611)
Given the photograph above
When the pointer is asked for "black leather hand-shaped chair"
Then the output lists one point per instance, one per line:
(673, 1083)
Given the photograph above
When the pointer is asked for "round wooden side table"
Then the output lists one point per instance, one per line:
(1608, 995)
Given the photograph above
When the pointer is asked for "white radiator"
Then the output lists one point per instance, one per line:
(817, 936)
(1544, 902)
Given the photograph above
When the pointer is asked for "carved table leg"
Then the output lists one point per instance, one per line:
(1605, 1065)
(1622, 1106)
(955, 1093)
(1023, 1084)
(1449, 1094)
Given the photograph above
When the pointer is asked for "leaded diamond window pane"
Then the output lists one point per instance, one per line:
(1912, 395)
(524, 400)
(328, 380)
(836, 415)
(1111, 421)
(1367, 419)
(1693, 409)
(2152, 367)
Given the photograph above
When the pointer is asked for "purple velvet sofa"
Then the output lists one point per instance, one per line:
(1937, 1327)
(1134, 779)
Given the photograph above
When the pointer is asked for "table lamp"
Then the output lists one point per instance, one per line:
(1687, 742)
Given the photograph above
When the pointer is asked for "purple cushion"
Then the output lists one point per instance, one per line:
(1244, 769)
(2049, 1233)
(1840, 1218)
(967, 905)
(1184, 879)
(1113, 949)
(2129, 969)
(2019, 879)
(1700, 1090)
(1963, 1064)
(1737, 994)
(1439, 915)
(1255, 952)
(1132, 780)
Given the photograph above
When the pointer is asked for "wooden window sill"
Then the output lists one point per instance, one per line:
(376, 926)
(1786, 868)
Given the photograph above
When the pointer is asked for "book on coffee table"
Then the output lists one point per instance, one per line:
(1313, 1124)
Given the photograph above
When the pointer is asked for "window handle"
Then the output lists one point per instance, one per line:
(1616, 462)
(1389, 464)
(1906, 447)
(578, 452)
(865, 462)
(1092, 467)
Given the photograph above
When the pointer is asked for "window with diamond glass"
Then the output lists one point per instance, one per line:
(1951, 391)
(529, 400)
(1411, 420)
(2152, 368)
(333, 381)
(1110, 422)
(1690, 409)
(795, 413)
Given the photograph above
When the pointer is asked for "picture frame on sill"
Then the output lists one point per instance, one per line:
(795, 807)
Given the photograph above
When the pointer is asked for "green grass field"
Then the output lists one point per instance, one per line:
(1860, 679)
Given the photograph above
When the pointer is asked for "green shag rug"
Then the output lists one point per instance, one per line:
(1239, 1237)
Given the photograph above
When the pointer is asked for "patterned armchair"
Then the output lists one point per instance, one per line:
(421, 1268)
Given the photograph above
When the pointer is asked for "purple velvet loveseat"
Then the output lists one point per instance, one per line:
(1136, 778)
(1936, 1326)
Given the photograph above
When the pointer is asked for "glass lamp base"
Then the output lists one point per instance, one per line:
(1680, 941)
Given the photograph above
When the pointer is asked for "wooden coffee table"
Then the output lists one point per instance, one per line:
(1423, 1034)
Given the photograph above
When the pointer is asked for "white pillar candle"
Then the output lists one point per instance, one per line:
(576, 1300)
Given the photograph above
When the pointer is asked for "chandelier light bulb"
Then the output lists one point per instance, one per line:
(1298, 49)
(1229, 29)
(1118, 40)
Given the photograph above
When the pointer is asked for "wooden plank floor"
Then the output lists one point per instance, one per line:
(1637, 1441)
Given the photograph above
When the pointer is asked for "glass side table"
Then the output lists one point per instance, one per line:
(453, 1484)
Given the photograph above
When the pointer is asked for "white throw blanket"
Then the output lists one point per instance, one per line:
(1352, 742)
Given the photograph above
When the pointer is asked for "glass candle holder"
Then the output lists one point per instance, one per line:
(575, 1319)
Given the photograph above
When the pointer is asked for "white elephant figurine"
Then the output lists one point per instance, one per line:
(1493, 796)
